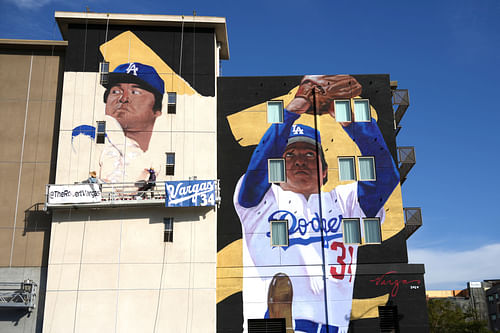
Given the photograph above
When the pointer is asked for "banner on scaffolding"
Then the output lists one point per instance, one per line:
(79, 193)
(190, 193)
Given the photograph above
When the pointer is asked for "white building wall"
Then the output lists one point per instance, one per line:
(109, 269)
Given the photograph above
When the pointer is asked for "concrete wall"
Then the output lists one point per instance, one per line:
(28, 104)
(20, 320)
(30, 86)
(110, 271)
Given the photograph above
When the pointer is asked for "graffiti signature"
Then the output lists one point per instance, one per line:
(382, 280)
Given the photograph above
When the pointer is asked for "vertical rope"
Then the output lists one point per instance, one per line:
(320, 206)
(159, 287)
(21, 161)
(79, 273)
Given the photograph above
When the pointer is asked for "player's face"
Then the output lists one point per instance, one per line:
(131, 106)
(301, 163)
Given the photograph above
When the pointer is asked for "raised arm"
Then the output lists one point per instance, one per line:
(372, 195)
(272, 145)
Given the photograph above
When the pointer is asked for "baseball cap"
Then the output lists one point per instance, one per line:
(303, 133)
(135, 72)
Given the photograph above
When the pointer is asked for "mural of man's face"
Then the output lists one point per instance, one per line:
(301, 163)
(131, 106)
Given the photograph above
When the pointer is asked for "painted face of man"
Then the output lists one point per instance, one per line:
(301, 163)
(132, 107)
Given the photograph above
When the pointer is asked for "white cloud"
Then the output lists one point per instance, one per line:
(448, 269)
(30, 4)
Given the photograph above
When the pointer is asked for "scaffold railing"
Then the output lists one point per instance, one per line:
(18, 294)
(109, 194)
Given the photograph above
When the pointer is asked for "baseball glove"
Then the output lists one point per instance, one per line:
(328, 88)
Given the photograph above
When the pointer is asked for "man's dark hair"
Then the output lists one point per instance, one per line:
(158, 97)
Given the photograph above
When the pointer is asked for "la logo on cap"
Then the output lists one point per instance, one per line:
(132, 68)
(296, 130)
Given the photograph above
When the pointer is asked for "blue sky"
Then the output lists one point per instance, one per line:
(447, 53)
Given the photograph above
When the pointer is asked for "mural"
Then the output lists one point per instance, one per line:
(287, 281)
(130, 106)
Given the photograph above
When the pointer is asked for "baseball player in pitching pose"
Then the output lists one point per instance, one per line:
(288, 281)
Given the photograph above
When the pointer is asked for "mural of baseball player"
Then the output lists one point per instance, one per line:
(288, 281)
(133, 97)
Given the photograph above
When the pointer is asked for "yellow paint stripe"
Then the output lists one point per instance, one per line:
(229, 270)
(127, 47)
(367, 308)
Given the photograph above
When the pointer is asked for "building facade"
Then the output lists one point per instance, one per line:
(31, 84)
(307, 232)
(349, 272)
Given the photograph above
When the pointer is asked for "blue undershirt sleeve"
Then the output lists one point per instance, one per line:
(272, 145)
(372, 195)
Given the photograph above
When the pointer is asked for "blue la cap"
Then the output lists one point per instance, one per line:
(135, 72)
(303, 133)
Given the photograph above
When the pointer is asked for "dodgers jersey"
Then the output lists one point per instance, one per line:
(302, 259)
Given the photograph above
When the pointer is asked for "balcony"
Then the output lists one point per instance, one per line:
(413, 220)
(406, 161)
(21, 295)
(401, 99)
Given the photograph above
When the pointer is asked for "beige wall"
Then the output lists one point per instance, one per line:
(110, 271)
(28, 105)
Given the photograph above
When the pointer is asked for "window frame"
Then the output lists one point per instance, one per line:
(373, 166)
(169, 166)
(379, 230)
(282, 110)
(354, 100)
(344, 234)
(168, 231)
(171, 107)
(271, 233)
(350, 113)
(100, 136)
(353, 159)
(269, 170)
(103, 72)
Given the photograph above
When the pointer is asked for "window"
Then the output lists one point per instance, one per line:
(276, 167)
(171, 102)
(372, 230)
(366, 168)
(275, 111)
(101, 132)
(279, 232)
(343, 110)
(346, 168)
(276, 325)
(490, 298)
(104, 70)
(170, 167)
(388, 317)
(362, 110)
(168, 233)
(352, 234)
(493, 317)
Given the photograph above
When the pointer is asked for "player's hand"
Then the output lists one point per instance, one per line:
(323, 90)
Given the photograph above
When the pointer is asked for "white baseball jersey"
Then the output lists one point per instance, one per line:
(302, 259)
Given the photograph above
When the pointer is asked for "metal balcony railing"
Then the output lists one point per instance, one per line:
(406, 161)
(18, 294)
(106, 195)
(401, 99)
(112, 194)
(413, 220)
